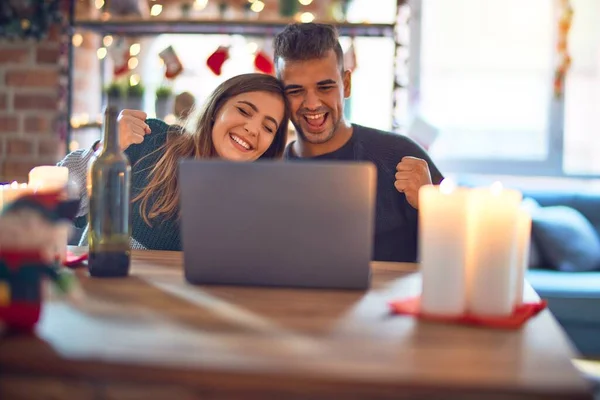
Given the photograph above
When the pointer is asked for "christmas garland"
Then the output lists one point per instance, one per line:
(21, 19)
(562, 49)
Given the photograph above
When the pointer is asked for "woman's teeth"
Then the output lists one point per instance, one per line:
(241, 142)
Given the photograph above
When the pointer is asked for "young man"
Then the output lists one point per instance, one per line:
(309, 62)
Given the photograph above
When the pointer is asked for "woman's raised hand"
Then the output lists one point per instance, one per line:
(132, 127)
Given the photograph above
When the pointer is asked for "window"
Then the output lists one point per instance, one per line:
(372, 81)
(486, 73)
(582, 91)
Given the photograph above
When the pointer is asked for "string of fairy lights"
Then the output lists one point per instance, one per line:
(256, 6)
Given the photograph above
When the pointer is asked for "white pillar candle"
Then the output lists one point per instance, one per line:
(492, 244)
(48, 177)
(442, 248)
(522, 253)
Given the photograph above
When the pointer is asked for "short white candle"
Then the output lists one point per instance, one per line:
(493, 216)
(443, 248)
(522, 253)
(48, 177)
(51, 177)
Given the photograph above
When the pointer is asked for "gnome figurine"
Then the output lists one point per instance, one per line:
(28, 254)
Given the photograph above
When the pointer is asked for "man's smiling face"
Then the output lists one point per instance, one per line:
(316, 90)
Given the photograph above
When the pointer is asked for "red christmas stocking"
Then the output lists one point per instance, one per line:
(119, 52)
(172, 63)
(215, 60)
(264, 63)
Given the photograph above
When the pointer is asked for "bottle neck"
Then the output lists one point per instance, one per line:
(111, 133)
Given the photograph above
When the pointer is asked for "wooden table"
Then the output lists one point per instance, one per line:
(152, 336)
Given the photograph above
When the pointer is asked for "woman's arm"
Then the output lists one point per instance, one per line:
(152, 141)
(79, 160)
(78, 163)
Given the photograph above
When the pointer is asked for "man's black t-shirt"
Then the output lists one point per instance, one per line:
(396, 221)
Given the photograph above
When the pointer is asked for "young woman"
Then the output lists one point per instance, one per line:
(244, 119)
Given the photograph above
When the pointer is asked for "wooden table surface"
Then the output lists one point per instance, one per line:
(153, 336)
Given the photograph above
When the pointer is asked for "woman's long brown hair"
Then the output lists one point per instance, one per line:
(161, 195)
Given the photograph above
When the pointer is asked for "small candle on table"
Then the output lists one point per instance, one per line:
(442, 248)
(493, 220)
(48, 177)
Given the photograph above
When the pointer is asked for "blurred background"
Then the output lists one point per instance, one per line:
(490, 87)
(164, 56)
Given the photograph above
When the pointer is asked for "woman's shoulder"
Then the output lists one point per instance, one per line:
(152, 141)
(159, 130)
(158, 125)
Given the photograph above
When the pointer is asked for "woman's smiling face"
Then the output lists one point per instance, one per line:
(246, 125)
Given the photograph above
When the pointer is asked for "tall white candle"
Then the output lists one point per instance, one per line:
(492, 244)
(522, 253)
(48, 177)
(442, 248)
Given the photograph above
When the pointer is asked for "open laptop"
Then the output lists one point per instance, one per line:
(272, 223)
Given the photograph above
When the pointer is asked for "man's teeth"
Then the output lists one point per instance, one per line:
(314, 116)
(241, 142)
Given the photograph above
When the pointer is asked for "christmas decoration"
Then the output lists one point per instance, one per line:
(137, 8)
(350, 58)
(215, 60)
(402, 106)
(248, 13)
(263, 62)
(564, 58)
(223, 7)
(20, 19)
(119, 53)
(65, 84)
(186, 9)
(172, 62)
(28, 227)
(345, 6)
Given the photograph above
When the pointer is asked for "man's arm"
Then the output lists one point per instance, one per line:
(415, 169)
(415, 150)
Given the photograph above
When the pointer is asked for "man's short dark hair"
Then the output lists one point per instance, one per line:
(307, 41)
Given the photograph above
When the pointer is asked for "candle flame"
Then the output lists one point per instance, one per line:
(447, 186)
(496, 188)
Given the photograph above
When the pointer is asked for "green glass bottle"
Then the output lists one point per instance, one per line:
(109, 183)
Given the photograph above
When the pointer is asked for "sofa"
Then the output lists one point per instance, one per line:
(564, 264)
(573, 296)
